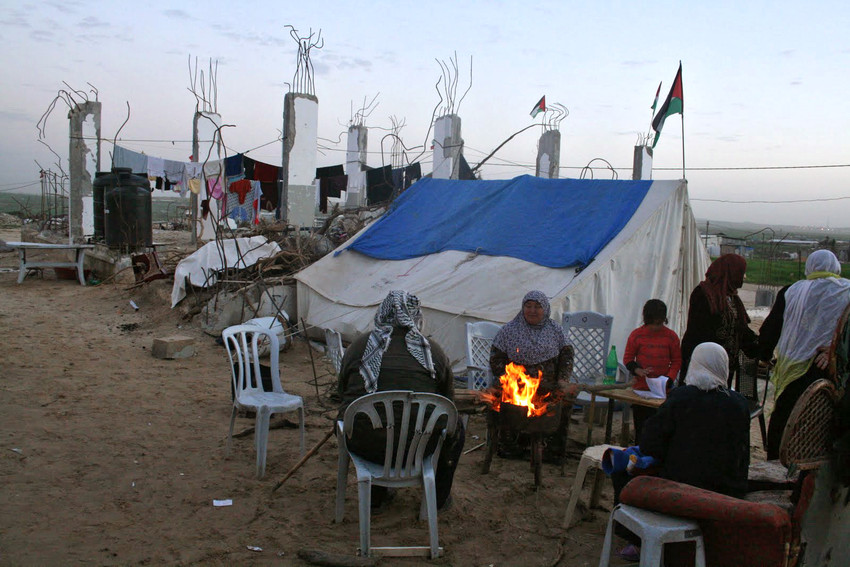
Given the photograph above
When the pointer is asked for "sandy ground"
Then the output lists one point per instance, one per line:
(110, 456)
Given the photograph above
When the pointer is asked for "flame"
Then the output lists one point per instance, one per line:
(520, 389)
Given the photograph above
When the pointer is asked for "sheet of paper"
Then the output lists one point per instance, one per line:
(657, 388)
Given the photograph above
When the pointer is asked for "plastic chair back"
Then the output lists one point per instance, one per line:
(405, 449)
(335, 351)
(747, 378)
(479, 339)
(590, 334)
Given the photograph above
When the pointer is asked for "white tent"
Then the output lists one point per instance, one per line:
(656, 254)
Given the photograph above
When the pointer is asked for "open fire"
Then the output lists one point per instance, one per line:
(520, 389)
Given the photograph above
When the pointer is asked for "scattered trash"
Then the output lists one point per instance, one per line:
(475, 437)
(133, 305)
(18, 451)
(133, 484)
(254, 548)
(227, 502)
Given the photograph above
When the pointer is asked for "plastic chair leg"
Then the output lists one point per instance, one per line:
(261, 436)
(230, 432)
(652, 554)
(578, 483)
(301, 426)
(430, 487)
(364, 493)
(341, 481)
(605, 558)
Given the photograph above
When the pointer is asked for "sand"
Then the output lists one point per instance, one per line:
(110, 456)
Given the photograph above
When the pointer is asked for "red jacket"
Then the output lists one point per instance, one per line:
(658, 350)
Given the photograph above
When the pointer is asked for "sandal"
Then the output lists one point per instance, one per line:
(630, 553)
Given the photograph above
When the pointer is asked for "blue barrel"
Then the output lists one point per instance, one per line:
(127, 211)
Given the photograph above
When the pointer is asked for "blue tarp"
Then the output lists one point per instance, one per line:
(551, 222)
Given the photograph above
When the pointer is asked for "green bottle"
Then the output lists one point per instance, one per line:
(611, 367)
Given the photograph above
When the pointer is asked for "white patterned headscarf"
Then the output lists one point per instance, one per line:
(531, 344)
(399, 309)
(709, 367)
(812, 309)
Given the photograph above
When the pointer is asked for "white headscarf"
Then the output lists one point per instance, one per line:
(709, 367)
(812, 309)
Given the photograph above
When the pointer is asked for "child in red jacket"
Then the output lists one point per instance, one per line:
(652, 350)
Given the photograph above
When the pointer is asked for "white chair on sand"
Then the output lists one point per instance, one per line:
(243, 342)
(654, 530)
(335, 351)
(479, 339)
(406, 463)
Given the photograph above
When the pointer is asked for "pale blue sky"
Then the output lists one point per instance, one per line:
(765, 84)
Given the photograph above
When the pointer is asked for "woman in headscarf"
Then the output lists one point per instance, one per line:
(701, 434)
(716, 314)
(802, 322)
(395, 355)
(533, 340)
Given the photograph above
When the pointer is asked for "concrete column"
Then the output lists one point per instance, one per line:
(355, 162)
(206, 145)
(84, 162)
(549, 154)
(297, 199)
(448, 147)
(642, 168)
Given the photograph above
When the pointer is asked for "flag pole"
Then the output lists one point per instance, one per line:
(683, 146)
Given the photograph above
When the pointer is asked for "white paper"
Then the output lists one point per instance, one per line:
(227, 502)
(657, 388)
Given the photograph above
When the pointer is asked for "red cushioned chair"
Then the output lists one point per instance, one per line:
(736, 532)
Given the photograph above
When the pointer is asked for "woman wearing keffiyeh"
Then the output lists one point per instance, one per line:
(538, 343)
(395, 355)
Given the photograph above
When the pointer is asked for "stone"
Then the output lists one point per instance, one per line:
(173, 347)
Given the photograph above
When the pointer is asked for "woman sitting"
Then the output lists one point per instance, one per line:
(538, 343)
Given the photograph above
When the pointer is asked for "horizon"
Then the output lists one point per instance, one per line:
(754, 95)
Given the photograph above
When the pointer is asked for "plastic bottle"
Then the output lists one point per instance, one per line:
(611, 367)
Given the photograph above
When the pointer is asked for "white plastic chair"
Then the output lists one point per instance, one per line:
(654, 530)
(479, 339)
(335, 351)
(243, 342)
(590, 458)
(590, 334)
(405, 464)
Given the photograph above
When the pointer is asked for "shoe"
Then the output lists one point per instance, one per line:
(630, 553)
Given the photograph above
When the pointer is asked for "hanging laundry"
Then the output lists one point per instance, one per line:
(137, 162)
(412, 174)
(233, 165)
(266, 173)
(248, 165)
(379, 186)
(330, 171)
(243, 208)
(175, 171)
(156, 167)
(214, 188)
(336, 185)
(241, 188)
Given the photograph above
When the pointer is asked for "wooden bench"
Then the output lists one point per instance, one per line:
(79, 252)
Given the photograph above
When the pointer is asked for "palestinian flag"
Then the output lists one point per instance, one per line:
(657, 92)
(673, 105)
(539, 107)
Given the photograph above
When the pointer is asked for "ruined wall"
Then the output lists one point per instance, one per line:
(84, 162)
(448, 146)
(549, 155)
(300, 130)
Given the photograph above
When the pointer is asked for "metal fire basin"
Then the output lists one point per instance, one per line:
(516, 417)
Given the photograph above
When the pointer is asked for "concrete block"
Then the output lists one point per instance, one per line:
(173, 347)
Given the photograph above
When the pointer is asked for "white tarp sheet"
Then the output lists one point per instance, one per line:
(202, 266)
(658, 254)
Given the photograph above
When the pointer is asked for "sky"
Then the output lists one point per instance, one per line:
(765, 86)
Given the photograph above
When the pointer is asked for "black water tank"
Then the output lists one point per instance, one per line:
(127, 211)
(98, 189)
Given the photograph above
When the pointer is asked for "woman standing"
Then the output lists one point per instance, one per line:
(716, 314)
(802, 322)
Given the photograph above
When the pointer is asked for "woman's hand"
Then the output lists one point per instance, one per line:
(642, 372)
(568, 388)
(822, 358)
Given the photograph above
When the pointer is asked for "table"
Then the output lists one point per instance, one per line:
(622, 393)
(79, 252)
